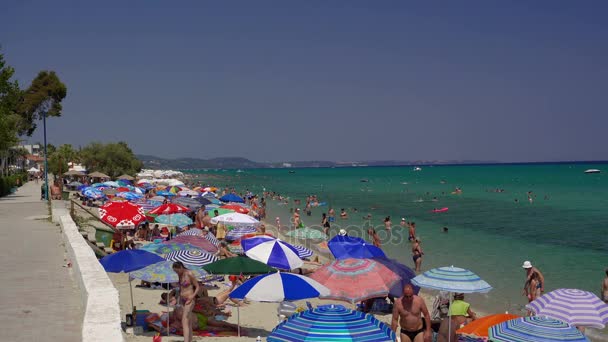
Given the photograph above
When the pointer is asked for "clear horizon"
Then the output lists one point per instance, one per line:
(275, 81)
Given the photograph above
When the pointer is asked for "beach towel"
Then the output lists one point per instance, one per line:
(155, 322)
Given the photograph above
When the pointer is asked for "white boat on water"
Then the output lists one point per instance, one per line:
(593, 171)
(417, 168)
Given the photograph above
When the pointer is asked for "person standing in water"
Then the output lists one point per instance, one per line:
(412, 231)
(387, 223)
(325, 224)
(533, 272)
(417, 254)
(605, 288)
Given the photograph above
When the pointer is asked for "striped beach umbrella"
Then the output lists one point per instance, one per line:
(332, 323)
(165, 193)
(277, 287)
(534, 329)
(129, 196)
(168, 247)
(93, 193)
(196, 241)
(191, 232)
(452, 279)
(354, 280)
(148, 205)
(239, 232)
(575, 307)
(192, 257)
(162, 272)
(303, 252)
(273, 252)
(211, 238)
(169, 208)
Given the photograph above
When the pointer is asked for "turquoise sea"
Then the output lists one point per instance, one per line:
(564, 231)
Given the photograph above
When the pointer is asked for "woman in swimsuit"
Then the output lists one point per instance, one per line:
(189, 287)
(417, 254)
(325, 224)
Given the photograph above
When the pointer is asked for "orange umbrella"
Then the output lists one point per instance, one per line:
(479, 327)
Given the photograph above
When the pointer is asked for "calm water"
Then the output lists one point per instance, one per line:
(563, 231)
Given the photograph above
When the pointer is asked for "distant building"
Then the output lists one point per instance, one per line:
(286, 164)
(32, 149)
(76, 167)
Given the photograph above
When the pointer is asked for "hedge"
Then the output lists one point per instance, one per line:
(9, 182)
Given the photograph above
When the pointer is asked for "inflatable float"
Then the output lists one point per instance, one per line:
(442, 210)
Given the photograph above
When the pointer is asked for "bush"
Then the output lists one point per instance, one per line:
(9, 182)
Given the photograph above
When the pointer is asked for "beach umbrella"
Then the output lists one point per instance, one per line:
(331, 323)
(122, 214)
(355, 280)
(167, 247)
(126, 177)
(575, 307)
(98, 185)
(211, 238)
(236, 208)
(210, 189)
(238, 266)
(128, 261)
(169, 208)
(93, 193)
(344, 247)
(129, 196)
(191, 232)
(69, 173)
(239, 232)
(123, 182)
(147, 205)
(278, 286)
(75, 184)
(208, 195)
(177, 220)
(187, 202)
(235, 219)
(185, 193)
(452, 279)
(98, 174)
(273, 252)
(405, 273)
(192, 257)
(478, 329)
(202, 200)
(173, 189)
(197, 241)
(232, 198)
(111, 184)
(165, 193)
(303, 252)
(160, 199)
(533, 329)
(220, 211)
(306, 233)
(162, 272)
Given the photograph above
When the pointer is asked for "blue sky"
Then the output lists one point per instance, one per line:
(331, 80)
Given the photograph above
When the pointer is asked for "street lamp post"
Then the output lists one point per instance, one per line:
(46, 163)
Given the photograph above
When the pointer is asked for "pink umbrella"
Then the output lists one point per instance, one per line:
(196, 241)
(354, 280)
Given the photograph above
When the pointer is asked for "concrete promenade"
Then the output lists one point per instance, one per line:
(41, 300)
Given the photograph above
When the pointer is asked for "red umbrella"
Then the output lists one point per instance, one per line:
(196, 241)
(169, 208)
(123, 189)
(122, 214)
(237, 208)
(354, 280)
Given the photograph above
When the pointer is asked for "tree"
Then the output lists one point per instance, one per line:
(113, 159)
(58, 159)
(42, 97)
(9, 98)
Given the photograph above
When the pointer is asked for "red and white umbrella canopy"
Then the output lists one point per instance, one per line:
(122, 215)
(169, 208)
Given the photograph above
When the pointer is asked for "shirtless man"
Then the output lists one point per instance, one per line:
(200, 214)
(206, 220)
(605, 288)
(532, 272)
(412, 231)
(296, 218)
(375, 239)
(407, 313)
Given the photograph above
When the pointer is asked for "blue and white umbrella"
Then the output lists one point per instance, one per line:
(93, 193)
(303, 252)
(534, 329)
(273, 252)
(277, 287)
(191, 232)
(148, 205)
(211, 238)
(192, 257)
(452, 279)
(111, 184)
(329, 323)
(129, 196)
(239, 232)
(165, 193)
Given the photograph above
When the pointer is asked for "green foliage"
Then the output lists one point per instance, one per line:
(44, 95)
(113, 159)
(59, 158)
(9, 182)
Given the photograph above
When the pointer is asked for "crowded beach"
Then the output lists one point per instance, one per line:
(200, 261)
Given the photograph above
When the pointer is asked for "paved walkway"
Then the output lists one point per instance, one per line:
(40, 298)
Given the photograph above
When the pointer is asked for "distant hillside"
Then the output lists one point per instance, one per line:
(152, 162)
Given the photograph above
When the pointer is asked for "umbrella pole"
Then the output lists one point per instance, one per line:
(238, 318)
(131, 291)
(450, 319)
